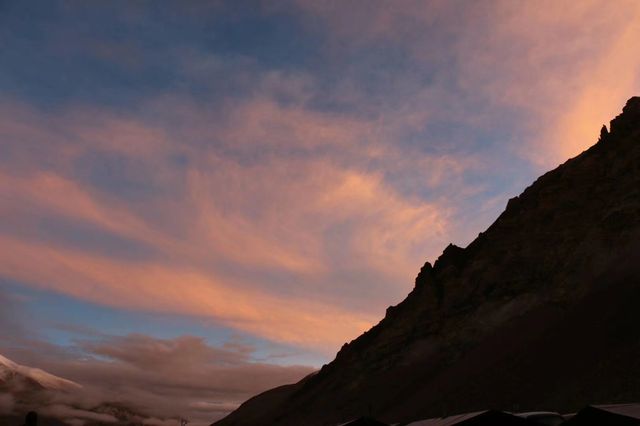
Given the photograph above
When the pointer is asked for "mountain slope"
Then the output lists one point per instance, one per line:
(58, 401)
(539, 311)
(11, 373)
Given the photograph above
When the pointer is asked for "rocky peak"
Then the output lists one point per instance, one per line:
(451, 256)
(548, 292)
(629, 121)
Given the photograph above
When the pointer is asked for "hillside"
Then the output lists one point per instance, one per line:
(539, 311)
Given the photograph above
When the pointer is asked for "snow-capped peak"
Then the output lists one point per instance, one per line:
(8, 363)
(46, 380)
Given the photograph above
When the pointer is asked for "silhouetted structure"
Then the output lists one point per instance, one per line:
(594, 416)
(480, 418)
(494, 418)
(364, 421)
(31, 419)
(604, 133)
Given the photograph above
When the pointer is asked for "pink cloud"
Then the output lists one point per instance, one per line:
(564, 67)
(158, 288)
(225, 216)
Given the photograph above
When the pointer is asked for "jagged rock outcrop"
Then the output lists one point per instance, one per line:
(539, 311)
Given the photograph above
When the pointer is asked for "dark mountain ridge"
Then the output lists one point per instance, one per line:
(539, 311)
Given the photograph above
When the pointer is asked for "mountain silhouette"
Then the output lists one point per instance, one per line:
(540, 311)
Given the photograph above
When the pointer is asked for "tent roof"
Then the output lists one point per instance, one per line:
(596, 416)
(445, 421)
(491, 417)
(629, 410)
(363, 421)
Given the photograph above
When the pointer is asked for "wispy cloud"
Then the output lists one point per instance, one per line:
(563, 68)
(284, 170)
(272, 244)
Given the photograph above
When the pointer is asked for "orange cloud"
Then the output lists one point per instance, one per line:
(603, 89)
(563, 67)
(154, 287)
(567, 66)
(288, 211)
(228, 225)
(276, 203)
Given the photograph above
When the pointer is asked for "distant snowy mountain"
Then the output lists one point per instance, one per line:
(12, 373)
(58, 401)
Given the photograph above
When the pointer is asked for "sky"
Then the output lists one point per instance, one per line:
(208, 198)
